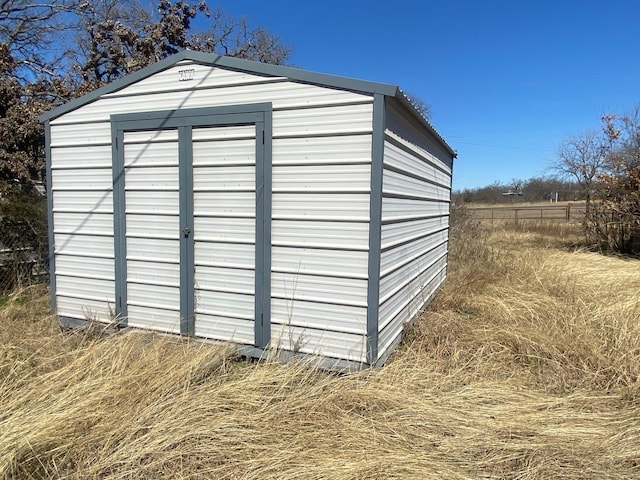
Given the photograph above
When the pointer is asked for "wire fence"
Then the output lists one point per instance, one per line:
(23, 257)
(570, 213)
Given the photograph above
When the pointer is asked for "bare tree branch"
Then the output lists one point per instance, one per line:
(423, 107)
(583, 158)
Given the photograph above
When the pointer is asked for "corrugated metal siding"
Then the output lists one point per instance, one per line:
(320, 234)
(317, 261)
(152, 230)
(210, 87)
(187, 75)
(321, 153)
(224, 252)
(431, 168)
(399, 280)
(83, 229)
(319, 316)
(404, 308)
(415, 219)
(325, 341)
(320, 244)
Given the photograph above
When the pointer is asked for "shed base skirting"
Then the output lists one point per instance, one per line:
(258, 353)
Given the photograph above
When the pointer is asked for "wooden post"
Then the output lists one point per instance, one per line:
(541, 210)
(516, 217)
(568, 212)
(492, 217)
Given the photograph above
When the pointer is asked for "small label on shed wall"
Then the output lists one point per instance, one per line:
(186, 75)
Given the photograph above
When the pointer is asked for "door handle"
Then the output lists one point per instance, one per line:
(186, 231)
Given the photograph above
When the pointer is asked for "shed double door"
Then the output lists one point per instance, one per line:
(190, 229)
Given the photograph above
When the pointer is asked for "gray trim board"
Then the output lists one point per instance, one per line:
(449, 217)
(375, 227)
(185, 192)
(119, 240)
(70, 322)
(181, 117)
(259, 273)
(76, 323)
(264, 257)
(51, 238)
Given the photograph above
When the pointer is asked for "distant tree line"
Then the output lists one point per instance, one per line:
(537, 189)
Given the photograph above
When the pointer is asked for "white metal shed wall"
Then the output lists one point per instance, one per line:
(416, 192)
(320, 208)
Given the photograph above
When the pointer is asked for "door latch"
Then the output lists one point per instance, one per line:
(186, 231)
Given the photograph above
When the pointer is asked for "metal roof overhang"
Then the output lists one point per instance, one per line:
(296, 74)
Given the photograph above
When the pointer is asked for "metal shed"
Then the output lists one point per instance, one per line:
(239, 201)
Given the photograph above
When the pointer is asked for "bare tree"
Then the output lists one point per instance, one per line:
(121, 37)
(233, 37)
(515, 186)
(423, 107)
(583, 158)
(29, 30)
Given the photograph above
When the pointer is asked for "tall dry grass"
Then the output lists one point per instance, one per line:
(527, 366)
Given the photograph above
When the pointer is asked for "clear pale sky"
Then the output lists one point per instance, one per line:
(507, 80)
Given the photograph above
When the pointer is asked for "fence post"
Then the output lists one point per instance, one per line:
(568, 212)
(516, 217)
(492, 217)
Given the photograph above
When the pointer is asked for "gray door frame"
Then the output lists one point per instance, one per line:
(183, 120)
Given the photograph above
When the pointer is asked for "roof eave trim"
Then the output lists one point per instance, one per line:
(248, 66)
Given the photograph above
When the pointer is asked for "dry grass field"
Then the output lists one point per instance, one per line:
(527, 366)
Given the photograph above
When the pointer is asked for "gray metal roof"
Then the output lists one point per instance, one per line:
(249, 66)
